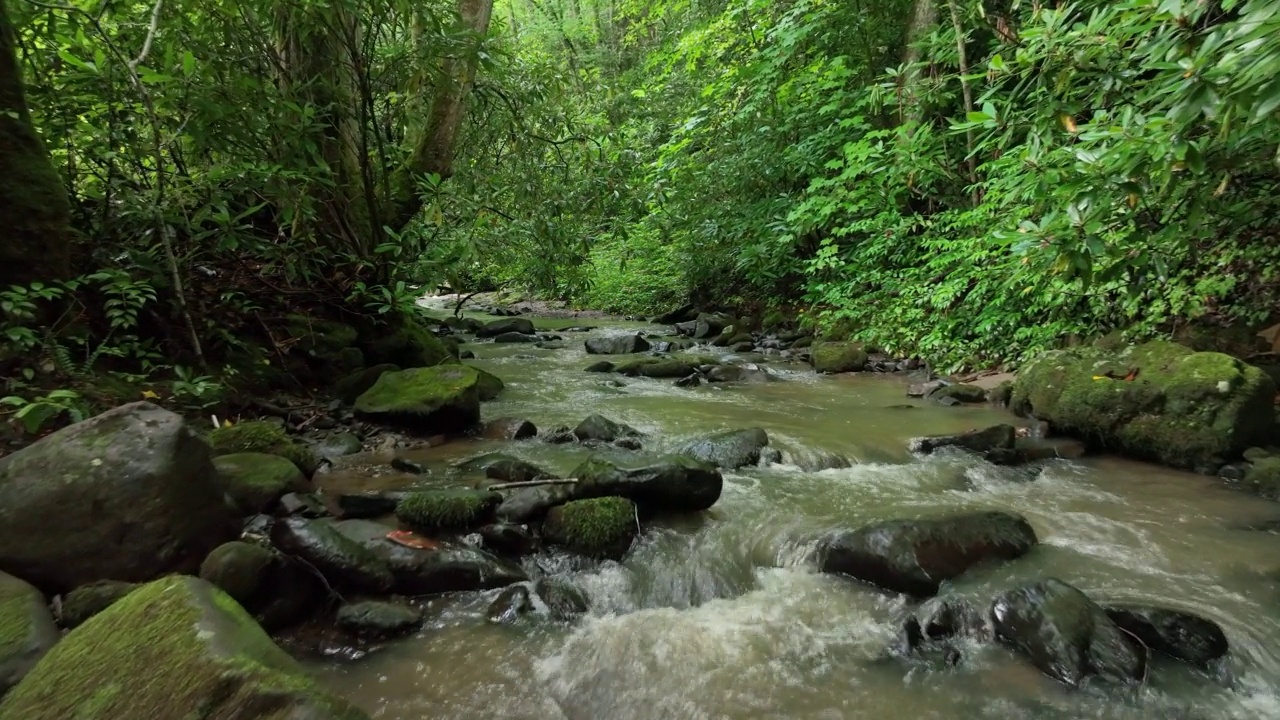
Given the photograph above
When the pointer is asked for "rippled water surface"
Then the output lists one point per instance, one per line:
(719, 616)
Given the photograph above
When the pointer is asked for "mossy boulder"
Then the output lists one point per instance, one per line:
(277, 590)
(489, 386)
(838, 357)
(88, 600)
(1157, 401)
(26, 630)
(357, 383)
(127, 495)
(600, 527)
(432, 511)
(263, 436)
(442, 399)
(174, 648)
(257, 481)
(405, 341)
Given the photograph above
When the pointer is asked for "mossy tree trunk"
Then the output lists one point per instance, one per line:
(35, 213)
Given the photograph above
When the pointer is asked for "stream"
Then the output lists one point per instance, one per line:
(720, 616)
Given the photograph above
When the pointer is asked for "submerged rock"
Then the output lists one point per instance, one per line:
(441, 399)
(434, 511)
(617, 345)
(256, 481)
(838, 357)
(29, 630)
(675, 484)
(522, 326)
(446, 568)
(508, 428)
(996, 437)
(1065, 634)
(504, 468)
(512, 604)
(175, 648)
(941, 619)
(378, 619)
(599, 428)
(1180, 635)
(916, 556)
(731, 449)
(601, 527)
(127, 495)
(656, 368)
(564, 599)
(514, 337)
(604, 366)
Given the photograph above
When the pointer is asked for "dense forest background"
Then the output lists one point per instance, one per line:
(971, 182)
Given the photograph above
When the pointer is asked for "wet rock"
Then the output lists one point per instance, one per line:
(601, 527)
(979, 441)
(174, 648)
(370, 504)
(343, 562)
(1180, 635)
(447, 511)
(1065, 634)
(815, 460)
(508, 540)
(503, 468)
(515, 337)
(690, 381)
(959, 392)
(306, 505)
(681, 314)
(838, 357)
(617, 345)
(258, 526)
(127, 495)
(551, 345)
(730, 450)
(1001, 394)
(378, 619)
(263, 436)
(673, 485)
(916, 556)
(685, 329)
(508, 428)
(522, 326)
(405, 465)
(604, 366)
(738, 373)
(941, 619)
(255, 482)
(277, 590)
(335, 445)
(521, 505)
(511, 605)
(656, 368)
(559, 435)
(1263, 477)
(88, 600)
(447, 568)
(29, 630)
(442, 399)
(489, 385)
(358, 383)
(601, 429)
(708, 326)
(1027, 450)
(564, 599)
(580, 328)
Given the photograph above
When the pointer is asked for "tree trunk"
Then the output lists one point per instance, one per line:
(34, 211)
(924, 13)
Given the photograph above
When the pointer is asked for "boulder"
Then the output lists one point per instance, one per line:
(358, 383)
(127, 495)
(378, 619)
(369, 504)
(515, 337)
(563, 599)
(512, 604)
(489, 385)
(255, 482)
(838, 357)
(708, 326)
(601, 429)
(174, 648)
(673, 485)
(304, 504)
(943, 618)
(88, 600)
(445, 511)
(730, 449)
(617, 345)
(604, 366)
(1180, 635)
(528, 504)
(405, 341)
(996, 437)
(601, 527)
(1027, 450)
(448, 567)
(655, 367)
(1158, 401)
(959, 392)
(29, 630)
(738, 373)
(1263, 477)
(519, 325)
(915, 557)
(341, 560)
(508, 428)
(503, 468)
(277, 590)
(1065, 634)
(263, 436)
(508, 540)
(443, 399)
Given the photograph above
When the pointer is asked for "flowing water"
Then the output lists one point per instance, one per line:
(720, 615)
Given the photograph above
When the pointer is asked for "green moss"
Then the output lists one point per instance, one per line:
(1264, 478)
(773, 320)
(15, 616)
(603, 527)
(960, 391)
(445, 398)
(174, 648)
(838, 357)
(320, 335)
(260, 436)
(88, 600)
(256, 481)
(447, 510)
(406, 342)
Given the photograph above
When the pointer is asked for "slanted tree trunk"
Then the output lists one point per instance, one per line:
(35, 215)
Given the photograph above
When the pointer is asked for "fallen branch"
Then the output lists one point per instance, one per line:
(533, 483)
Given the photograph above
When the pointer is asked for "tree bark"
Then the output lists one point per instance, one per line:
(35, 214)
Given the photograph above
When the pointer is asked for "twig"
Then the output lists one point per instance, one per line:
(533, 483)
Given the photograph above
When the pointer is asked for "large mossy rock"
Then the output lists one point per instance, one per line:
(442, 399)
(358, 383)
(916, 556)
(263, 436)
(676, 484)
(175, 648)
(601, 527)
(731, 449)
(257, 481)
(838, 357)
(127, 495)
(490, 385)
(405, 341)
(457, 510)
(1182, 408)
(27, 630)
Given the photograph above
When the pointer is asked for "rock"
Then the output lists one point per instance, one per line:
(617, 345)
(690, 381)
(448, 568)
(838, 357)
(335, 445)
(489, 385)
(175, 648)
(915, 557)
(559, 435)
(979, 441)
(515, 337)
(673, 485)
(1182, 408)
(604, 366)
(1180, 635)
(127, 495)
(256, 481)
(602, 429)
(502, 468)
(378, 619)
(738, 373)
(1001, 394)
(405, 342)
(1027, 450)
(88, 600)
(656, 368)
(709, 326)
(731, 449)
(959, 392)
(601, 527)
(941, 619)
(511, 605)
(277, 590)
(681, 314)
(815, 460)
(442, 399)
(522, 326)
(1065, 634)
(529, 504)
(444, 511)
(370, 504)
(1263, 477)
(551, 345)
(343, 562)
(263, 436)
(408, 465)
(358, 383)
(29, 630)
(919, 390)
(508, 428)
(508, 540)
(564, 599)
